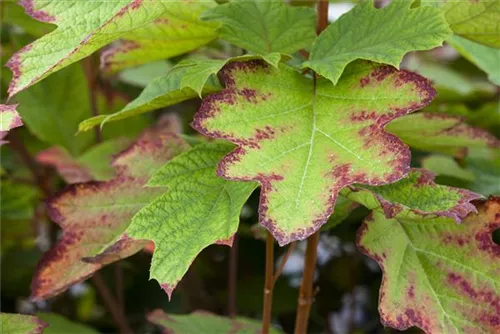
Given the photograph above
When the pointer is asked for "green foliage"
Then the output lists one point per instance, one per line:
(9, 119)
(21, 324)
(381, 35)
(60, 325)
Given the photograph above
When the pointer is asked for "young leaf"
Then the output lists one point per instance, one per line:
(199, 209)
(441, 133)
(293, 134)
(438, 275)
(161, 92)
(484, 57)
(266, 28)
(94, 164)
(9, 119)
(177, 31)
(60, 325)
(20, 324)
(205, 322)
(417, 193)
(382, 35)
(82, 28)
(93, 214)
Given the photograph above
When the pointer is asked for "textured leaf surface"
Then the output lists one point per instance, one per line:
(205, 322)
(266, 28)
(417, 193)
(441, 133)
(9, 119)
(20, 324)
(199, 209)
(484, 57)
(177, 31)
(305, 143)
(94, 164)
(476, 20)
(438, 275)
(60, 325)
(382, 35)
(161, 92)
(92, 215)
(77, 35)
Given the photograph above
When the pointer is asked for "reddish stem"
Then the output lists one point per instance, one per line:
(232, 277)
(268, 284)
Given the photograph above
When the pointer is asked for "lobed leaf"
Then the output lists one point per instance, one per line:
(60, 325)
(441, 133)
(437, 275)
(77, 35)
(205, 322)
(304, 141)
(9, 119)
(20, 324)
(92, 215)
(199, 209)
(177, 31)
(381, 35)
(266, 28)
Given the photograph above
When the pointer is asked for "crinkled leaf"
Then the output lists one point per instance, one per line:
(60, 325)
(484, 57)
(92, 215)
(305, 142)
(441, 133)
(161, 92)
(417, 193)
(177, 31)
(382, 35)
(438, 275)
(20, 324)
(267, 28)
(82, 28)
(9, 119)
(205, 322)
(94, 164)
(199, 209)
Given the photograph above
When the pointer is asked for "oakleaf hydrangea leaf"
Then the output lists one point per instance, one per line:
(60, 325)
(304, 141)
(382, 35)
(441, 133)
(92, 215)
(9, 119)
(438, 275)
(161, 92)
(93, 165)
(82, 28)
(199, 209)
(266, 28)
(205, 322)
(20, 324)
(445, 165)
(177, 31)
(416, 193)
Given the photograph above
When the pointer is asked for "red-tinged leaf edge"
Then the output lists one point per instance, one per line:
(209, 107)
(17, 119)
(70, 170)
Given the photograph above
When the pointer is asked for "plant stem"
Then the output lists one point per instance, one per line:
(111, 304)
(289, 252)
(232, 277)
(268, 284)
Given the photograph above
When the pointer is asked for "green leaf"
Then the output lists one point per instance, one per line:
(92, 215)
(77, 35)
(437, 275)
(381, 35)
(476, 20)
(94, 164)
(343, 207)
(441, 133)
(205, 322)
(417, 193)
(9, 119)
(487, 173)
(17, 201)
(161, 92)
(265, 28)
(142, 75)
(199, 209)
(484, 57)
(14, 14)
(60, 325)
(177, 31)
(20, 324)
(304, 142)
(444, 165)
